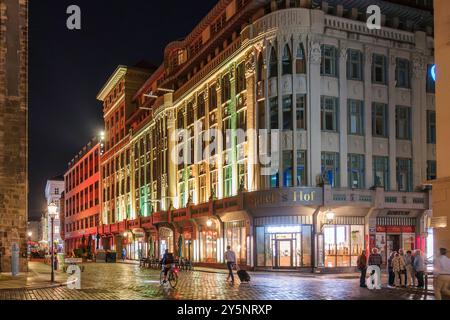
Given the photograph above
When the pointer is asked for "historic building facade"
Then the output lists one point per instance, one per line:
(81, 214)
(54, 190)
(345, 133)
(13, 131)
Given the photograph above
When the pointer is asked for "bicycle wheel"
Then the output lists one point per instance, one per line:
(173, 279)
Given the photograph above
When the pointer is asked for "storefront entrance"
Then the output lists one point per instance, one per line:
(393, 243)
(283, 254)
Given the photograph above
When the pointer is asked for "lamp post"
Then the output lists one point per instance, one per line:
(52, 210)
(29, 243)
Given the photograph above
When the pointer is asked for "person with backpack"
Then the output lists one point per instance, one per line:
(167, 261)
(362, 266)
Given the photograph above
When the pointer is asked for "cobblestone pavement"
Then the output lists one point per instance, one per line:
(129, 282)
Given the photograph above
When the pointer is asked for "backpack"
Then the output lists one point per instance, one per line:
(169, 258)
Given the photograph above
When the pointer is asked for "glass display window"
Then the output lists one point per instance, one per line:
(236, 237)
(342, 245)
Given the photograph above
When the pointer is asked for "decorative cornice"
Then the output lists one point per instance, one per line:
(112, 82)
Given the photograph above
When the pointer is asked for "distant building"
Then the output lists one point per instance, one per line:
(82, 198)
(53, 191)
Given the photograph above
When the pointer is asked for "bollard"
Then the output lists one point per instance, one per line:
(15, 260)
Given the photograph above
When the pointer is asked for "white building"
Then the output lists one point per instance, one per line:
(53, 191)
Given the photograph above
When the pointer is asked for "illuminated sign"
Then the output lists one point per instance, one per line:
(285, 197)
(283, 229)
(433, 72)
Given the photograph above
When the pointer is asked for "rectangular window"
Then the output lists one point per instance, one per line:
(301, 111)
(431, 170)
(355, 117)
(212, 96)
(381, 172)
(329, 113)
(202, 198)
(287, 113)
(431, 127)
(379, 120)
(379, 69)
(404, 175)
(227, 181)
(330, 168)
(301, 168)
(355, 65)
(328, 65)
(356, 171)
(403, 122)
(288, 169)
(240, 78)
(273, 109)
(226, 88)
(402, 73)
(431, 84)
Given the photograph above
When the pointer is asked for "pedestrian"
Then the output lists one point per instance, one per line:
(124, 254)
(391, 279)
(403, 272)
(230, 258)
(442, 275)
(398, 264)
(419, 267)
(362, 266)
(409, 260)
(375, 259)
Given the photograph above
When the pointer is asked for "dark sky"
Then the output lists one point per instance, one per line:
(68, 68)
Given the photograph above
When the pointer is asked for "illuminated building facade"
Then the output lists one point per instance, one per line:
(349, 118)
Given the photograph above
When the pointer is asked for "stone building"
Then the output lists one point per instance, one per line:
(347, 112)
(13, 130)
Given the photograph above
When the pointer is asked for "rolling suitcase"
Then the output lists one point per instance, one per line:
(242, 274)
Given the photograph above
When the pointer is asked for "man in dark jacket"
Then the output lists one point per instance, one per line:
(362, 266)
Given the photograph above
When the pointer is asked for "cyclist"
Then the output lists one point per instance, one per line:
(167, 262)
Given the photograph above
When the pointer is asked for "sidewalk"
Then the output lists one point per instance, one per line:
(38, 277)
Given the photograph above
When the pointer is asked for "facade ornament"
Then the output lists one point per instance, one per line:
(393, 59)
(368, 55)
(250, 64)
(418, 66)
(343, 50)
(315, 53)
(232, 70)
(219, 82)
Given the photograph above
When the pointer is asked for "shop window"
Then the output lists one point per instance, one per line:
(208, 244)
(288, 169)
(287, 113)
(381, 172)
(330, 168)
(355, 117)
(356, 171)
(273, 109)
(379, 120)
(355, 65)
(300, 113)
(236, 237)
(286, 61)
(379, 69)
(431, 170)
(343, 244)
(329, 63)
(431, 127)
(300, 60)
(403, 123)
(273, 64)
(301, 168)
(329, 113)
(402, 73)
(404, 175)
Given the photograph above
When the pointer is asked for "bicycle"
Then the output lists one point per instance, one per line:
(172, 277)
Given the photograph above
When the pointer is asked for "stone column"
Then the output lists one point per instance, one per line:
(250, 67)
(392, 94)
(171, 148)
(220, 142)
(368, 116)
(343, 113)
(313, 111)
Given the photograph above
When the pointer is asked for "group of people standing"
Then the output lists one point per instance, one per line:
(403, 269)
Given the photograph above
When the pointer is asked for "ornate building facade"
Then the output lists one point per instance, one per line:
(13, 131)
(340, 133)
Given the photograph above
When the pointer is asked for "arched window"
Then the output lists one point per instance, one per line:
(260, 70)
(273, 64)
(287, 60)
(300, 60)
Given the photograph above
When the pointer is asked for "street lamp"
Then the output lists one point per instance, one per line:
(52, 211)
(330, 215)
(209, 223)
(29, 243)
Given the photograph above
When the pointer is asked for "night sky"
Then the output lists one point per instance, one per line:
(68, 68)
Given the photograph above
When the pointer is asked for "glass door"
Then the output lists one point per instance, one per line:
(284, 253)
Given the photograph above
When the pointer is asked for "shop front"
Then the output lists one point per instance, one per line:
(209, 242)
(283, 242)
(166, 240)
(236, 237)
(395, 233)
(341, 242)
